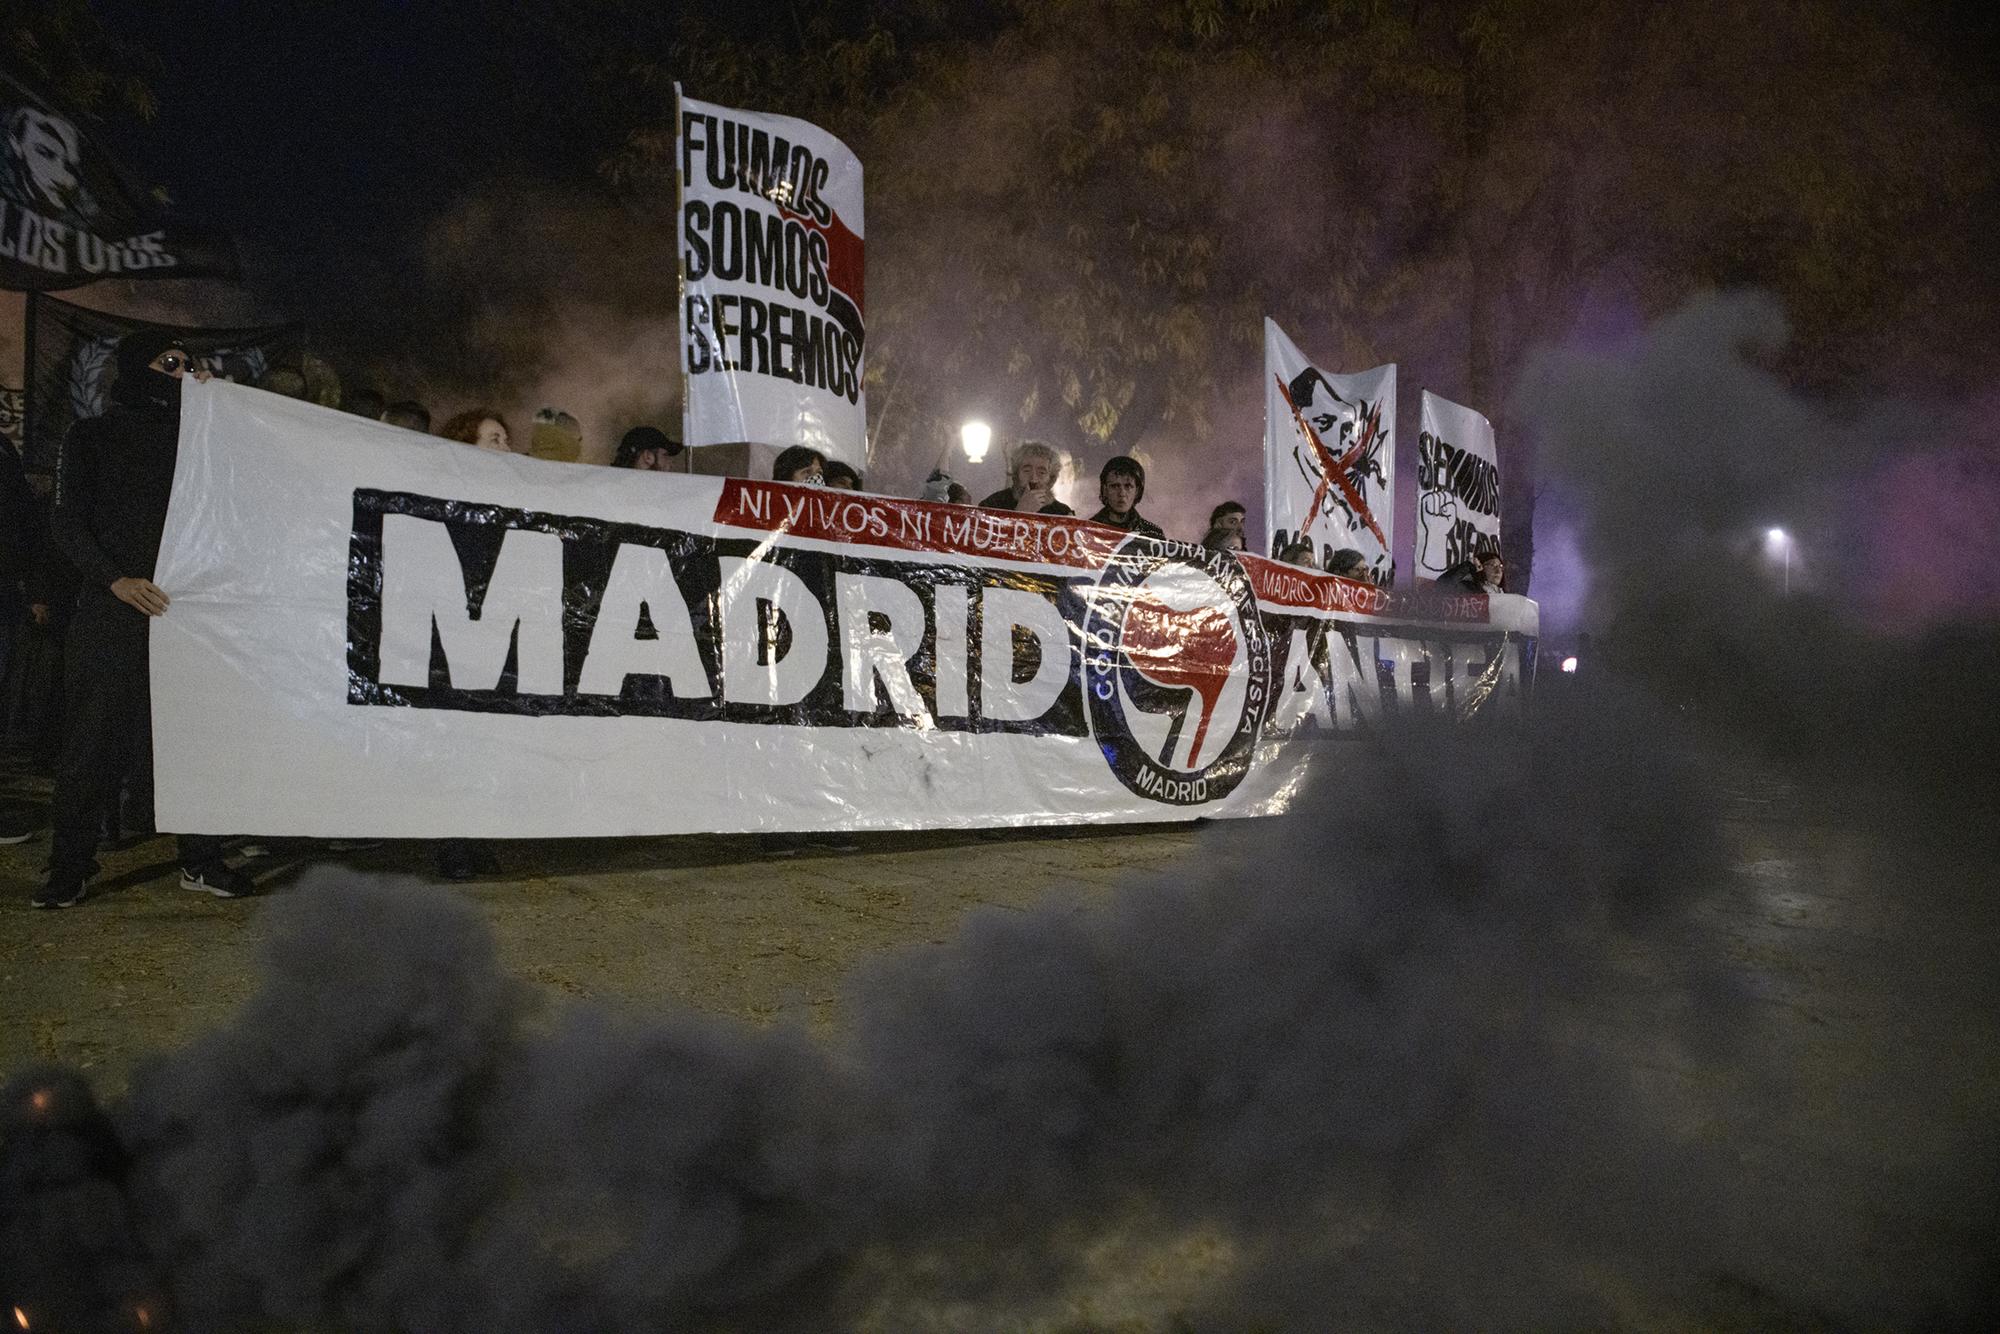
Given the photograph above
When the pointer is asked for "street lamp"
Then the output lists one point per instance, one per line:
(1781, 541)
(975, 437)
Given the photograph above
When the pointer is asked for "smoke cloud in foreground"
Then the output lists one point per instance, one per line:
(1388, 1062)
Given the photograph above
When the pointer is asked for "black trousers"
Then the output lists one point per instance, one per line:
(108, 692)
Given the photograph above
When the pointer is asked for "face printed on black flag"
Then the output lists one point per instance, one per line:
(44, 164)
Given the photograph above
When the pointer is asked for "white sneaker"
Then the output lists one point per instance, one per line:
(225, 882)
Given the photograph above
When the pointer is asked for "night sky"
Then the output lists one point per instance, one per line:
(327, 136)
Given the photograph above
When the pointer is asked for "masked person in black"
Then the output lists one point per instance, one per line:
(112, 482)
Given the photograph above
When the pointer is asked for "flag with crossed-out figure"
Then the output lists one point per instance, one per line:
(1329, 457)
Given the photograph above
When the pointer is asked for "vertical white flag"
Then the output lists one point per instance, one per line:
(772, 337)
(1329, 456)
(1458, 486)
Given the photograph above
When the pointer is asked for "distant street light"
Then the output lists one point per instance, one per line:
(1781, 541)
(1569, 665)
(975, 437)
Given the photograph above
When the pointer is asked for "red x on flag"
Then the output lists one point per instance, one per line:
(1333, 471)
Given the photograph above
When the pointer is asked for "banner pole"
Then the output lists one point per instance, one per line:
(680, 284)
(1270, 492)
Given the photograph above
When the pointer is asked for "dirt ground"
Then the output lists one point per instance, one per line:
(1875, 1004)
(714, 922)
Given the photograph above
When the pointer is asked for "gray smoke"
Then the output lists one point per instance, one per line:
(327, 1155)
(1674, 451)
(1391, 1061)
(1682, 445)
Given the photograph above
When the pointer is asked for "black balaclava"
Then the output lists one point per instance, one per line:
(140, 386)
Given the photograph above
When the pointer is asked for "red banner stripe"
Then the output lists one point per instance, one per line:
(914, 525)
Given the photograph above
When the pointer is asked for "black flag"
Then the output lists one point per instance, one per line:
(68, 217)
(71, 364)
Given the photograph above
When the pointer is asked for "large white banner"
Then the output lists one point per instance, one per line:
(1329, 456)
(374, 632)
(1458, 487)
(772, 334)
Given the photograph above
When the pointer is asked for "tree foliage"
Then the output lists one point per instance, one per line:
(1078, 210)
(62, 50)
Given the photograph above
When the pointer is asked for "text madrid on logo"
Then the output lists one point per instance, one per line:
(1177, 670)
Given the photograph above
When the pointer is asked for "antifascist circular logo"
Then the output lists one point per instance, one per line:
(1176, 670)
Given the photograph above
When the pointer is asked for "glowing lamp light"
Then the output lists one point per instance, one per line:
(20, 1317)
(975, 437)
(1569, 665)
(1779, 541)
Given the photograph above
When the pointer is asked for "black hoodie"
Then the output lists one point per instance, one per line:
(116, 471)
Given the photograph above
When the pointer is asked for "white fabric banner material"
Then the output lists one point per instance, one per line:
(1329, 456)
(1458, 487)
(772, 334)
(374, 632)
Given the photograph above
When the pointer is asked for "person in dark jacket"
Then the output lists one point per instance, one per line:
(1031, 482)
(1483, 574)
(113, 478)
(17, 527)
(1121, 485)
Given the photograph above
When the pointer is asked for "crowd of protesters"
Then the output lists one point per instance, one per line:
(76, 590)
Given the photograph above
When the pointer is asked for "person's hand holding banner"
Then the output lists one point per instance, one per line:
(140, 594)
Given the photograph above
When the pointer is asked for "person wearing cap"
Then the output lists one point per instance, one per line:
(1121, 486)
(113, 477)
(645, 448)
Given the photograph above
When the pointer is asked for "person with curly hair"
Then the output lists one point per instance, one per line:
(483, 427)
